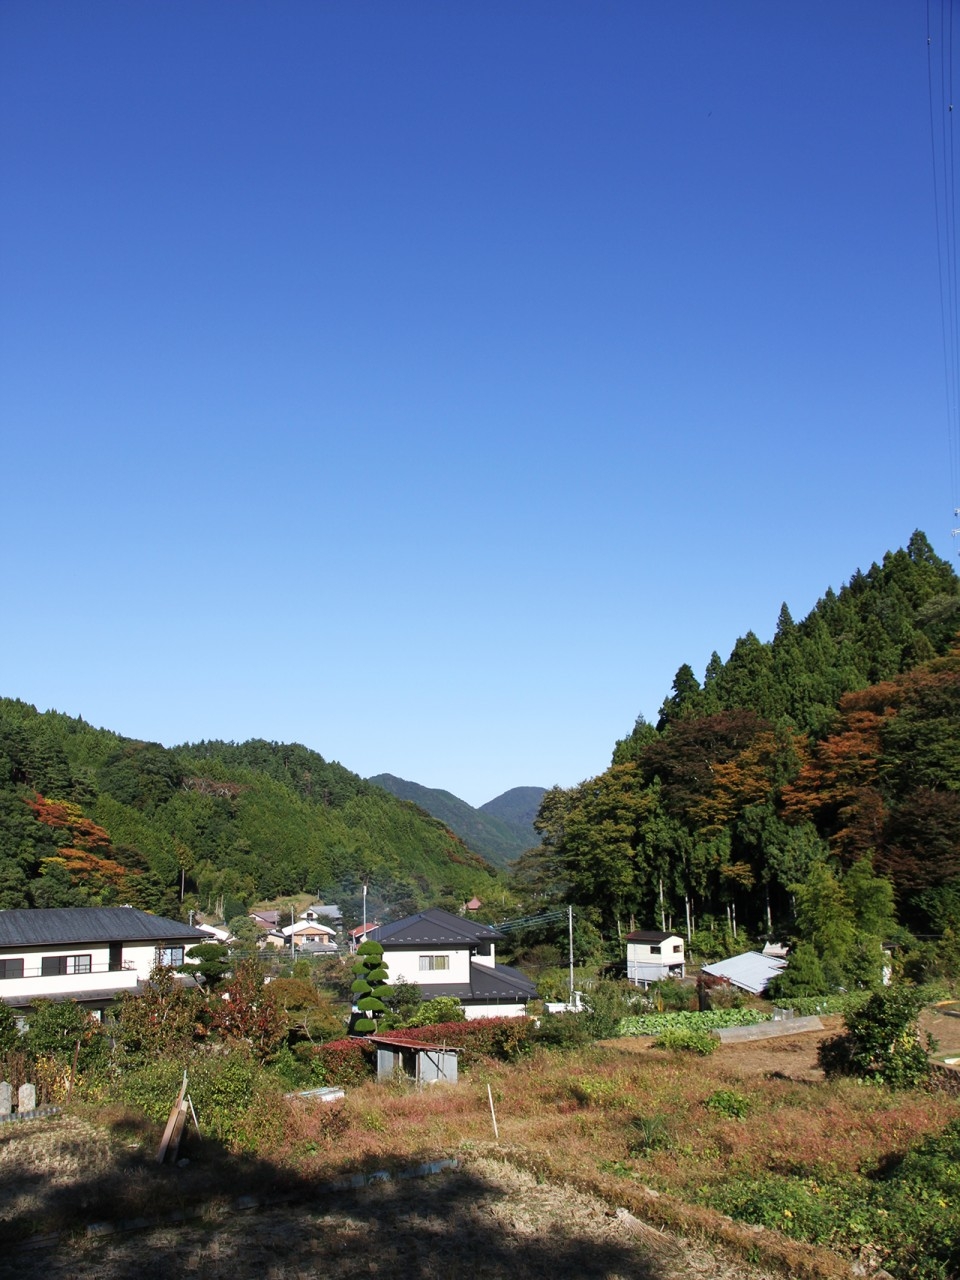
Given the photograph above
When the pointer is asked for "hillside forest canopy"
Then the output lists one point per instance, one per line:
(88, 818)
(816, 773)
(808, 787)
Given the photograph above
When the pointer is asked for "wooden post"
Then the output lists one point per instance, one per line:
(493, 1114)
(73, 1072)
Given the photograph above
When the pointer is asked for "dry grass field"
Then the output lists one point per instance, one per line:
(603, 1168)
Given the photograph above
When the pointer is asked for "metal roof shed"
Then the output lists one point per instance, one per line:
(750, 971)
(424, 1063)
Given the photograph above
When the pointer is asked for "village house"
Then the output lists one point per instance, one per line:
(307, 935)
(445, 955)
(653, 955)
(87, 954)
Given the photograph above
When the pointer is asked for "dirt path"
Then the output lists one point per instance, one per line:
(487, 1221)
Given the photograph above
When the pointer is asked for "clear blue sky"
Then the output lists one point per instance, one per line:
(425, 382)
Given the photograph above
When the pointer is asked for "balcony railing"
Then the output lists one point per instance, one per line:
(36, 971)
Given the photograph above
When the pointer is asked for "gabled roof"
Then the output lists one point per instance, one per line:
(435, 928)
(750, 971)
(329, 911)
(651, 935)
(46, 926)
(307, 926)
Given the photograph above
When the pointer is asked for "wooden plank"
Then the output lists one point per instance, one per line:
(172, 1122)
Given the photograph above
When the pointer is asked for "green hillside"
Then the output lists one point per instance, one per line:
(498, 840)
(809, 786)
(89, 817)
(518, 808)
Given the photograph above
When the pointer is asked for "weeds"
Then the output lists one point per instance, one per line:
(729, 1103)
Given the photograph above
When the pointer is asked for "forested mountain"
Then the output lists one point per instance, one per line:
(518, 808)
(836, 744)
(89, 817)
(495, 836)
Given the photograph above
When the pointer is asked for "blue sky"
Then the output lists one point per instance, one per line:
(425, 382)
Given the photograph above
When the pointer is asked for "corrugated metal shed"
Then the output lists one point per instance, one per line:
(425, 1063)
(750, 971)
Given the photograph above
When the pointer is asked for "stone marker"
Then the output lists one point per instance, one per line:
(6, 1098)
(27, 1098)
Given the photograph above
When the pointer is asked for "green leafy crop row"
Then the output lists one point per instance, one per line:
(654, 1024)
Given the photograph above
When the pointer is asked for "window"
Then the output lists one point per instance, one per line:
(53, 966)
(170, 956)
(677, 948)
(11, 968)
(654, 951)
(430, 963)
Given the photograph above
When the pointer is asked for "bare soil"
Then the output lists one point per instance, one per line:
(486, 1220)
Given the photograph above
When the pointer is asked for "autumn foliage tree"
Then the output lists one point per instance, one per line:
(245, 1011)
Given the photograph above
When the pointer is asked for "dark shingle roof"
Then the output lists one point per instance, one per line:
(499, 983)
(650, 935)
(486, 983)
(435, 928)
(46, 926)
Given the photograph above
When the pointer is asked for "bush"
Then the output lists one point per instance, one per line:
(235, 1098)
(504, 1038)
(729, 1103)
(342, 1063)
(687, 1040)
(562, 1031)
(605, 1006)
(881, 1042)
(671, 996)
(441, 1009)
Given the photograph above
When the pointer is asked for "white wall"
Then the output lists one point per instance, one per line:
(137, 960)
(406, 965)
(472, 1011)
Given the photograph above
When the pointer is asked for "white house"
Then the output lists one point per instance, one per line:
(87, 954)
(306, 935)
(653, 955)
(445, 955)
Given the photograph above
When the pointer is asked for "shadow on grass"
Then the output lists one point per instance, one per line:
(417, 1227)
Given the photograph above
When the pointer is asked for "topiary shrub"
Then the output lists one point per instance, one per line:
(369, 987)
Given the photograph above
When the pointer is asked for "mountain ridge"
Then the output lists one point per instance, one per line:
(500, 830)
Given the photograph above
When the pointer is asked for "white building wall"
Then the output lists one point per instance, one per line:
(472, 1011)
(406, 965)
(137, 960)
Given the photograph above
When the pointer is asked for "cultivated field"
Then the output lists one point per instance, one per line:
(605, 1166)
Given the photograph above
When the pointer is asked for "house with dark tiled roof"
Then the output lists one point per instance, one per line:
(446, 955)
(87, 954)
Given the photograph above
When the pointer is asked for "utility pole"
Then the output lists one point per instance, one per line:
(570, 932)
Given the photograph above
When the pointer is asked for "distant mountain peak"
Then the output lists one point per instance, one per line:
(499, 830)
